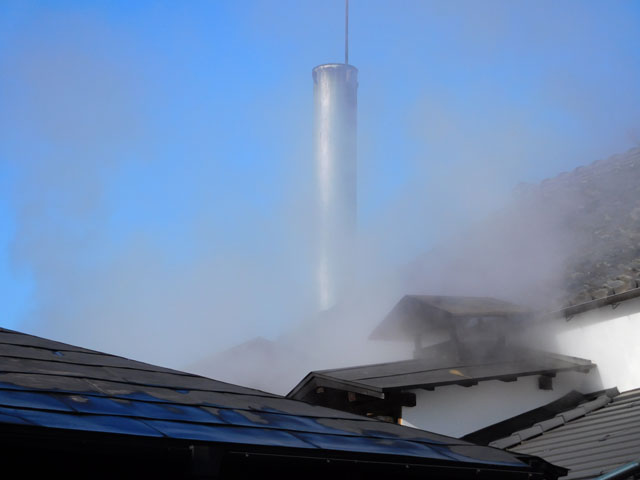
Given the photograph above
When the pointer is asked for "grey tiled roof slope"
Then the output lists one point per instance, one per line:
(607, 218)
(593, 443)
(50, 385)
(566, 241)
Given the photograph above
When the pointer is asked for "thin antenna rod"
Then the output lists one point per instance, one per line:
(346, 33)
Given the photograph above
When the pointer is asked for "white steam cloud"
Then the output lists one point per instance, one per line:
(175, 286)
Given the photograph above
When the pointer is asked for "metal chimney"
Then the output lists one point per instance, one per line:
(335, 87)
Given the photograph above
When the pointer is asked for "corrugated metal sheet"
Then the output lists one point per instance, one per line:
(595, 443)
(52, 385)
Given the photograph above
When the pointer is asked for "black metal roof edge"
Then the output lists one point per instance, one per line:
(320, 379)
(356, 387)
(572, 310)
(475, 380)
(562, 356)
(308, 378)
(367, 427)
(558, 420)
(334, 382)
(539, 466)
(504, 428)
(367, 365)
(328, 371)
(552, 471)
(546, 372)
(533, 467)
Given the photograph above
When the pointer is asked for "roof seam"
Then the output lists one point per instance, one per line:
(65, 362)
(364, 420)
(539, 428)
(131, 383)
(226, 424)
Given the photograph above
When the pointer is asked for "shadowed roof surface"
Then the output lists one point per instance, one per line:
(568, 240)
(53, 385)
(416, 314)
(439, 370)
(591, 439)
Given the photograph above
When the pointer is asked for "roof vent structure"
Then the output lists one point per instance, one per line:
(464, 325)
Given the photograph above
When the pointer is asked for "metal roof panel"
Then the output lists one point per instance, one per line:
(12, 398)
(228, 434)
(595, 443)
(50, 385)
(88, 423)
(374, 445)
(428, 372)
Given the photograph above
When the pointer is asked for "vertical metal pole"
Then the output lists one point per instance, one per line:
(346, 33)
(335, 89)
(335, 92)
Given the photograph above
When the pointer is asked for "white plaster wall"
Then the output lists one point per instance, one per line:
(609, 337)
(454, 410)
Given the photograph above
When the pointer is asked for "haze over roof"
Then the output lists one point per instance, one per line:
(570, 239)
(417, 314)
(439, 370)
(62, 388)
(591, 439)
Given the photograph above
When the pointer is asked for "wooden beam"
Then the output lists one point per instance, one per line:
(545, 382)
(468, 383)
(402, 399)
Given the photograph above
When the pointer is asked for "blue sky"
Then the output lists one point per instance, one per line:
(155, 157)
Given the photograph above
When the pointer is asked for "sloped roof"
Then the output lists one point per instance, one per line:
(591, 439)
(568, 240)
(505, 428)
(437, 370)
(416, 314)
(58, 387)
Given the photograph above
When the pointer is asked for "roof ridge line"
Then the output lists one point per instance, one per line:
(531, 351)
(619, 156)
(558, 420)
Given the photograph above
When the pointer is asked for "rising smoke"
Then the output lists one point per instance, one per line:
(174, 284)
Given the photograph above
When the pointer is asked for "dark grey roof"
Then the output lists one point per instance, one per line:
(521, 423)
(608, 219)
(568, 240)
(610, 299)
(436, 370)
(416, 314)
(58, 387)
(591, 439)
